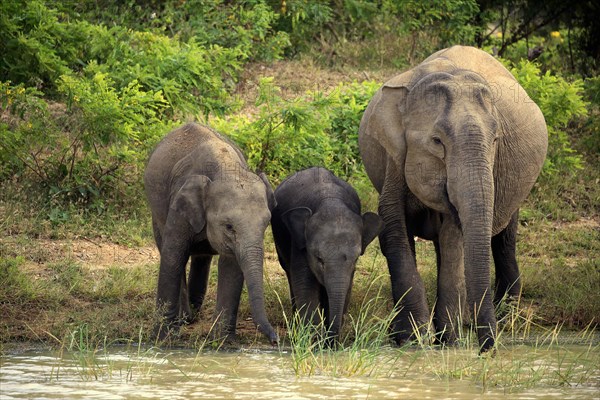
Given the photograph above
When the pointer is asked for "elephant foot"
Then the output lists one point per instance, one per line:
(165, 331)
(487, 348)
(506, 306)
(332, 342)
(188, 319)
(487, 351)
(445, 339)
(222, 331)
(220, 338)
(404, 335)
(402, 339)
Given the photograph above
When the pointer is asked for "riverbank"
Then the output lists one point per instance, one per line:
(56, 288)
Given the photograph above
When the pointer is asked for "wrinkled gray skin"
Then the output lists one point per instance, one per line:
(453, 146)
(204, 202)
(319, 234)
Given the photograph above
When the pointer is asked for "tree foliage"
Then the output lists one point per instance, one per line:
(315, 129)
(88, 88)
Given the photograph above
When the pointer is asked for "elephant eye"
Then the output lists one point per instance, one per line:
(229, 227)
(437, 140)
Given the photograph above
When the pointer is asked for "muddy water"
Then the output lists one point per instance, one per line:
(184, 374)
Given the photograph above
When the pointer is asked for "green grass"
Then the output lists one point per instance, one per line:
(43, 296)
(93, 315)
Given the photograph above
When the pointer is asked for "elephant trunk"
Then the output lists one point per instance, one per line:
(251, 263)
(472, 194)
(338, 294)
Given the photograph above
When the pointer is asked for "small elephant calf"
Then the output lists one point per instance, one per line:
(319, 234)
(205, 202)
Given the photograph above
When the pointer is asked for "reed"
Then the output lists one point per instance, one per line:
(363, 347)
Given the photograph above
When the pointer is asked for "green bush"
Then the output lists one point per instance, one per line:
(246, 27)
(194, 80)
(312, 130)
(414, 28)
(37, 47)
(86, 152)
(448, 21)
(590, 127)
(304, 21)
(195, 75)
(84, 103)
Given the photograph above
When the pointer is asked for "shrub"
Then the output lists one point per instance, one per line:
(195, 74)
(193, 80)
(82, 104)
(246, 27)
(38, 47)
(590, 128)
(87, 152)
(312, 130)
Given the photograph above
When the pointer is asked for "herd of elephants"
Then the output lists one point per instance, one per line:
(453, 146)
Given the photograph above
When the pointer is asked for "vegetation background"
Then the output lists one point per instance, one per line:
(87, 88)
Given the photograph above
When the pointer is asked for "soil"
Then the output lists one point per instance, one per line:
(296, 77)
(98, 254)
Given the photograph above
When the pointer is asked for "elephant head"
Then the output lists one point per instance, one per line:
(452, 131)
(333, 237)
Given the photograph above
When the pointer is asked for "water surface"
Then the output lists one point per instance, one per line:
(118, 373)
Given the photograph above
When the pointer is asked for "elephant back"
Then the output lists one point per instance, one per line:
(191, 149)
(311, 186)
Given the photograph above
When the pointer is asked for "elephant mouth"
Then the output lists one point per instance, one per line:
(451, 208)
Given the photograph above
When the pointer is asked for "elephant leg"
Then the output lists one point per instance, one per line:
(283, 246)
(504, 250)
(292, 296)
(157, 235)
(197, 282)
(451, 304)
(230, 281)
(306, 288)
(171, 279)
(397, 245)
(185, 312)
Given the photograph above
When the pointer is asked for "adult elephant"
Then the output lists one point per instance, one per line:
(204, 202)
(453, 146)
(319, 234)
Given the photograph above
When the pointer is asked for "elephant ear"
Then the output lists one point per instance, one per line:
(372, 226)
(270, 195)
(382, 120)
(396, 90)
(295, 220)
(189, 201)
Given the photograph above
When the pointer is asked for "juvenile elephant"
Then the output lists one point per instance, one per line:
(204, 202)
(319, 234)
(453, 146)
